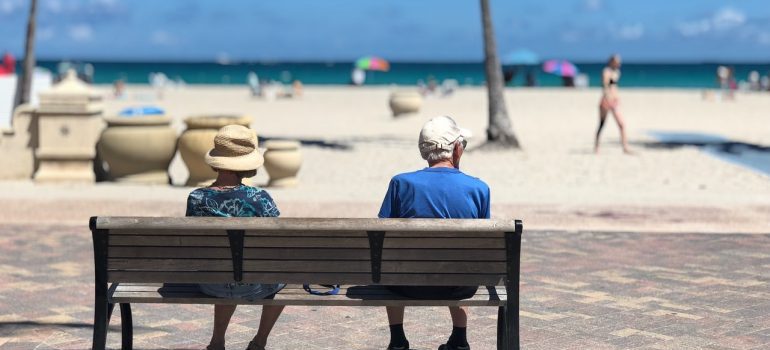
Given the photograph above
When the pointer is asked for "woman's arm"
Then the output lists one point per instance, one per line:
(606, 76)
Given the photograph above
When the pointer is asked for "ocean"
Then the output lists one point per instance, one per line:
(699, 75)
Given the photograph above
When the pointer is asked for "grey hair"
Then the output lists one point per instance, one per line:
(437, 154)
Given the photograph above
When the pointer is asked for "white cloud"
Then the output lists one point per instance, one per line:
(162, 38)
(593, 5)
(630, 31)
(53, 6)
(724, 19)
(81, 32)
(9, 7)
(694, 28)
(727, 18)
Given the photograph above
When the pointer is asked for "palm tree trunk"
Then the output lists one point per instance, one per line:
(500, 132)
(24, 86)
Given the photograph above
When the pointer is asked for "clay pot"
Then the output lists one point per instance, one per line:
(198, 139)
(403, 102)
(282, 162)
(138, 149)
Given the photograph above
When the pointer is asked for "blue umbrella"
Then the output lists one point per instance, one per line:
(140, 111)
(520, 57)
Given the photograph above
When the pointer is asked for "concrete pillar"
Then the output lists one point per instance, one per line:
(69, 122)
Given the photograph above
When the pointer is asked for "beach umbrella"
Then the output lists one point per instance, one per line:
(562, 68)
(520, 57)
(372, 63)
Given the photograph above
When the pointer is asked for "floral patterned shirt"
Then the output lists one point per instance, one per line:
(239, 201)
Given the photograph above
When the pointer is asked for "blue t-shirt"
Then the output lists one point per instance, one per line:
(436, 193)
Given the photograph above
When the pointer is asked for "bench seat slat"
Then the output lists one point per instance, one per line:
(294, 295)
(306, 224)
(306, 242)
(307, 253)
(316, 277)
(309, 233)
(330, 266)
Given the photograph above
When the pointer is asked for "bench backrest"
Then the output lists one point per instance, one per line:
(318, 251)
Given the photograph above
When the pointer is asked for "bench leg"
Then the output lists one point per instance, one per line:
(126, 327)
(512, 325)
(501, 340)
(101, 320)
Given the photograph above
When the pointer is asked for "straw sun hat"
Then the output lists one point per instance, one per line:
(235, 149)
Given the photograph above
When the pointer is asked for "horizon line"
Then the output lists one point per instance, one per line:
(345, 61)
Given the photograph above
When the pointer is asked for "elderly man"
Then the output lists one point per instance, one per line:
(439, 191)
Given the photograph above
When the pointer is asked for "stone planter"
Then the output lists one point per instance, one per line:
(138, 149)
(282, 162)
(403, 102)
(198, 139)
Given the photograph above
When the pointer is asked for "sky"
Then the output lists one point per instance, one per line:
(399, 30)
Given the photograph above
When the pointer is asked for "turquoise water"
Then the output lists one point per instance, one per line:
(634, 75)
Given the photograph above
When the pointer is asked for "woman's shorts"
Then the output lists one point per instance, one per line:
(247, 291)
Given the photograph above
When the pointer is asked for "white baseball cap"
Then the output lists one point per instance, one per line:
(440, 133)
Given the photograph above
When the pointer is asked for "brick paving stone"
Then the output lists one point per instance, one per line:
(580, 290)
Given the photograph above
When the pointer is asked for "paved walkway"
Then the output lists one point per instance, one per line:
(580, 290)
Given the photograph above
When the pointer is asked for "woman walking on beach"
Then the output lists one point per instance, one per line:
(609, 102)
(234, 157)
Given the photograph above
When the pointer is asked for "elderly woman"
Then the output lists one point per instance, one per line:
(234, 157)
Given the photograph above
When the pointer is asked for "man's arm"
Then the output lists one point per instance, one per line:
(485, 205)
(389, 207)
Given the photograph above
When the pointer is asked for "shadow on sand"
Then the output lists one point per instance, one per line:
(753, 156)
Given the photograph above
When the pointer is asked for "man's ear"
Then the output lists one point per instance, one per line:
(457, 152)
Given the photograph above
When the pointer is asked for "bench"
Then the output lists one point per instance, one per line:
(161, 260)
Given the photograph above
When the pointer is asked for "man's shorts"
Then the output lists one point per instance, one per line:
(431, 292)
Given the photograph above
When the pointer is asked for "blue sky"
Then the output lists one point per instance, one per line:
(406, 30)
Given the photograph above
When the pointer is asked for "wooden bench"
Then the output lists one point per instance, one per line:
(161, 260)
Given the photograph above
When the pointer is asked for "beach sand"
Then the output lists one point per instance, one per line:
(353, 146)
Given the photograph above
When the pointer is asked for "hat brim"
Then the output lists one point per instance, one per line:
(465, 133)
(246, 162)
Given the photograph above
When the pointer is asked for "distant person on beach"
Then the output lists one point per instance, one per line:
(357, 77)
(732, 83)
(235, 157)
(609, 102)
(531, 80)
(509, 74)
(439, 191)
(253, 81)
(8, 66)
(754, 81)
(118, 88)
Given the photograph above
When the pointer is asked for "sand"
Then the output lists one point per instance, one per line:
(555, 182)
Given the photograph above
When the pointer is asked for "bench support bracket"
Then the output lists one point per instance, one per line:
(236, 249)
(376, 241)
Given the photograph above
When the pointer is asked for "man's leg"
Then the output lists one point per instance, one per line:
(458, 339)
(396, 321)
